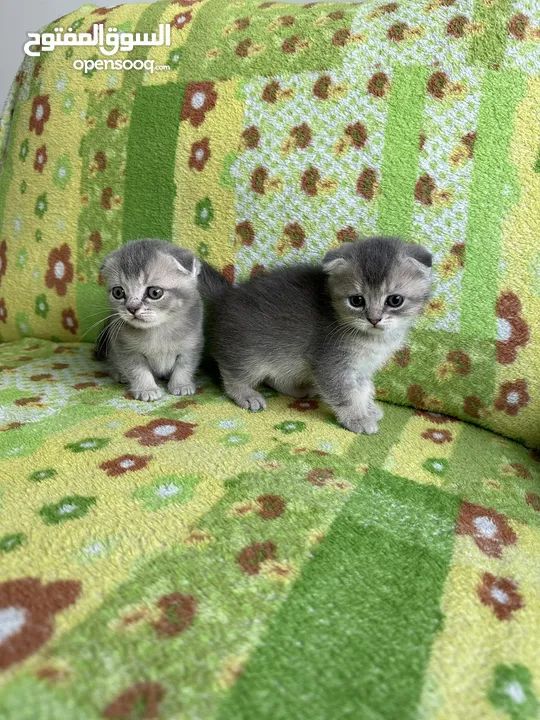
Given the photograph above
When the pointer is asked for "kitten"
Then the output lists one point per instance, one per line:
(324, 329)
(156, 330)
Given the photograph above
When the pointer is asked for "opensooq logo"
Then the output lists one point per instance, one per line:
(108, 44)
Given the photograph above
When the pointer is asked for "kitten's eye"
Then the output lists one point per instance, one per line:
(395, 301)
(118, 293)
(154, 293)
(356, 301)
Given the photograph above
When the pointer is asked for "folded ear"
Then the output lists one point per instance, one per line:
(185, 261)
(337, 259)
(108, 263)
(420, 254)
(191, 268)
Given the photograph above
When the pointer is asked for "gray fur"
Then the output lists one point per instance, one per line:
(293, 328)
(164, 339)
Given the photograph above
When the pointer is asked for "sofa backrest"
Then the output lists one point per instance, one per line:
(279, 131)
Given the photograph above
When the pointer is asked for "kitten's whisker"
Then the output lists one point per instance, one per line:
(102, 320)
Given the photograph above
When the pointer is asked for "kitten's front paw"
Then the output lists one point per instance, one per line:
(375, 412)
(185, 389)
(254, 401)
(148, 395)
(362, 425)
(117, 376)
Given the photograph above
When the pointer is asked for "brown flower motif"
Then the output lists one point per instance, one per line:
(199, 98)
(141, 700)
(28, 608)
(435, 417)
(437, 436)
(41, 376)
(181, 20)
(245, 234)
(512, 397)
(320, 476)
(251, 137)
(256, 270)
(533, 500)
(200, 154)
(512, 330)
(270, 506)
(473, 406)
(501, 595)
(489, 530)
(251, 557)
(125, 463)
(518, 470)
(304, 405)
(460, 362)
(228, 271)
(3, 311)
(416, 395)
(60, 269)
(85, 385)
(41, 112)
(160, 431)
(3, 259)
(69, 321)
(178, 612)
(41, 158)
(347, 234)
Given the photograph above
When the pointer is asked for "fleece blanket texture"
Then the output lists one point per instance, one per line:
(277, 132)
(187, 560)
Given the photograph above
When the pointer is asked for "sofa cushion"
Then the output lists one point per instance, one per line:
(187, 558)
(278, 132)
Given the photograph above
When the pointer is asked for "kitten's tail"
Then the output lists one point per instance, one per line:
(211, 282)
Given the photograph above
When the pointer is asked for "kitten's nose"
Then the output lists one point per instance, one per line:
(132, 307)
(374, 321)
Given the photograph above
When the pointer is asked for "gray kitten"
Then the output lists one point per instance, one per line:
(156, 331)
(323, 329)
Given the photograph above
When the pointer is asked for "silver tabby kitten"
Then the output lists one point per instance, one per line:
(325, 330)
(156, 330)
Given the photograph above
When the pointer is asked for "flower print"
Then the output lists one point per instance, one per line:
(178, 612)
(501, 595)
(181, 20)
(512, 330)
(140, 700)
(518, 470)
(200, 154)
(437, 436)
(436, 466)
(251, 557)
(41, 205)
(473, 406)
(199, 98)
(251, 137)
(160, 431)
(9, 543)
(367, 183)
(512, 397)
(41, 158)
(23, 324)
(270, 507)
(23, 150)
(304, 405)
(347, 234)
(28, 608)
(3, 311)
(62, 172)
(125, 463)
(88, 444)
(290, 426)
(512, 692)
(68, 103)
(41, 112)
(319, 477)
(379, 85)
(71, 507)
(69, 321)
(460, 361)
(60, 270)
(435, 417)
(533, 500)
(489, 529)
(167, 490)
(245, 234)
(3, 259)
(42, 306)
(204, 213)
